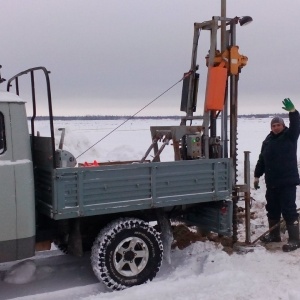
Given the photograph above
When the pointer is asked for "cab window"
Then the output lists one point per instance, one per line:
(2, 134)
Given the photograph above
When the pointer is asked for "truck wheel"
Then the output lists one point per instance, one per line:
(127, 252)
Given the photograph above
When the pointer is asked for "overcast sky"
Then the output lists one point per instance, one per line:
(115, 56)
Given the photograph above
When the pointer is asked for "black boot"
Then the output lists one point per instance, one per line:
(274, 235)
(294, 242)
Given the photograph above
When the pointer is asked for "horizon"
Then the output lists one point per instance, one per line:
(99, 117)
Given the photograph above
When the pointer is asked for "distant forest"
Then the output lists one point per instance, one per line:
(111, 117)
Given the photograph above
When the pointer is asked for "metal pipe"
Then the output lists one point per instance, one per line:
(206, 116)
(247, 195)
(17, 87)
(212, 53)
(235, 200)
(62, 138)
(33, 113)
(223, 25)
(166, 142)
(233, 107)
(224, 114)
(154, 142)
(224, 124)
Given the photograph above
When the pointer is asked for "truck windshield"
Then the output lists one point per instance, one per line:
(2, 134)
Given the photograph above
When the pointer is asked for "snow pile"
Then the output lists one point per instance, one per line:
(20, 273)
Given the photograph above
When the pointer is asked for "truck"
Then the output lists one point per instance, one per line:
(120, 211)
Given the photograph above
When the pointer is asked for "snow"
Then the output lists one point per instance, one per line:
(9, 97)
(16, 162)
(22, 272)
(201, 271)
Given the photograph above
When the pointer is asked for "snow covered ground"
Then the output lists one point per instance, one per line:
(200, 271)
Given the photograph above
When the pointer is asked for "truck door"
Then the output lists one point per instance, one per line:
(8, 232)
(17, 203)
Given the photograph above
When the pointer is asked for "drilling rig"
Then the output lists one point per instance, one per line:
(221, 103)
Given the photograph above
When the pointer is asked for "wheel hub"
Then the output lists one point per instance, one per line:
(131, 256)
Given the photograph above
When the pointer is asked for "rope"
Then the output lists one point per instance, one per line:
(185, 76)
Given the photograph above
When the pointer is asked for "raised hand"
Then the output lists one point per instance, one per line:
(288, 105)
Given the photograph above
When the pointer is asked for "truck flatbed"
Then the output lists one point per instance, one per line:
(86, 191)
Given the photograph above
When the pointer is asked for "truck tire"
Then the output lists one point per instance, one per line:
(127, 252)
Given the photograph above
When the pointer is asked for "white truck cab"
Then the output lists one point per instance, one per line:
(17, 213)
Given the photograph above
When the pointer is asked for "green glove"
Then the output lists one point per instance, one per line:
(288, 105)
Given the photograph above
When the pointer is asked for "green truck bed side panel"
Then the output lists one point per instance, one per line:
(71, 192)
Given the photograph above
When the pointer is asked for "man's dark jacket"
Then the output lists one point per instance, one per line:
(278, 157)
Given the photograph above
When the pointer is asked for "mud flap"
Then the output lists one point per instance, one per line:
(212, 216)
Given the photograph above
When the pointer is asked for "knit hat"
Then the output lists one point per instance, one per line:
(277, 120)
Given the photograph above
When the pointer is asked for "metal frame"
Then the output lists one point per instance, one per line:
(33, 95)
(228, 40)
(210, 117)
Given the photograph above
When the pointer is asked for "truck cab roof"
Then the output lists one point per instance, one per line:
(10, 97)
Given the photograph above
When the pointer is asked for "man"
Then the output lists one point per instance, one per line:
(278, 161)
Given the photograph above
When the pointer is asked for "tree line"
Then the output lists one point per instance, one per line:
(113, 117)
